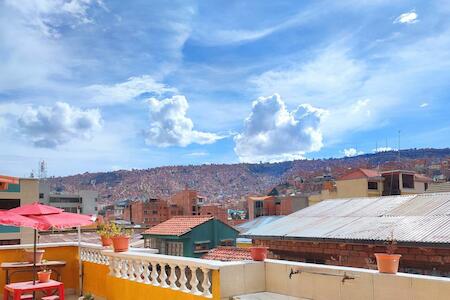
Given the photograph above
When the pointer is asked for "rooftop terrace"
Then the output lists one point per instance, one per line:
(140, 274)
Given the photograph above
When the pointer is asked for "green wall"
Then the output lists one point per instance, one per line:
(9, 229)
(13, 188)
(213, 231)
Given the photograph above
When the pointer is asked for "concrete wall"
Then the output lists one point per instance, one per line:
(28, 192)
(352, 188)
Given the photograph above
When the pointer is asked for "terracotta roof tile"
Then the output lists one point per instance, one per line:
(228, 254)
(361, 173)
(178, 225)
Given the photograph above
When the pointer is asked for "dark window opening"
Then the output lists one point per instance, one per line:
(372, 185)
(41, 195)
(9, 203)
(426, 186)
(228, 242)
(408, 181)
(9, 242)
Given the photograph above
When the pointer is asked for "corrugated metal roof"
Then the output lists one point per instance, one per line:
(260, 221)
(423, 218)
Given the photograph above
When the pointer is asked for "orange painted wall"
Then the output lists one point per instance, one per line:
(69, 273)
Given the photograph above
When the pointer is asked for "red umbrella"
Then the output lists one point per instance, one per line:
(35, 209)
(46, 217)
(9, 218)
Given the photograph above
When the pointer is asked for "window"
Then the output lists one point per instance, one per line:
(201, 247)
(154, 212)
(65, 200)
(372, 185)
(41, 195)
(9, 242)
(175, 248)
(228, 242)
(9, 203)
(408, 181)
(426, 186)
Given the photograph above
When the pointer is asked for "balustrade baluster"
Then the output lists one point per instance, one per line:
(146, 266)
(155, 274)
(206, 284)
(173, 277)
(194, 281)
(163, 276)
(183, 279)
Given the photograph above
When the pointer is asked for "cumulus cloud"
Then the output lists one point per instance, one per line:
(424, 104)
(272, 133)
(407, 18)
(126, 91)
(169, 125)
(352, 152)
(51, 126)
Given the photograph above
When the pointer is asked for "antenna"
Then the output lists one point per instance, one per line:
(399, 132)
(42, 170)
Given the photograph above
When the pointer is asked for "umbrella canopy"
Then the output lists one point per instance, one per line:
(9, 218)
(61, 220)
(36, 209)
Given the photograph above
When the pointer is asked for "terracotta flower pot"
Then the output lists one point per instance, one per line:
(29, 255)
(44, 276)
(106, 241)
(387, 263)
(258, 253)
(120, 243)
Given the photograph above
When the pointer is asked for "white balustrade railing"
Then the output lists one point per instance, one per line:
(187, 275)
(94, 255)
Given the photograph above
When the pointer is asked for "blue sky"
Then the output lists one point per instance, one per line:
(103, 85)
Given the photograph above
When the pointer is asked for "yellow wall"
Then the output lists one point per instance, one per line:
(356, 188)
(99, 283)
(69, 273)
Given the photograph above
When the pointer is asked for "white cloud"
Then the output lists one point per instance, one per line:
(383, 149)
(352, 152)
(197, 154)
(424, 104)
(407, 18)
(48, 15)
(169, 125)
(272, 133)
(126, 91)
(51, 126)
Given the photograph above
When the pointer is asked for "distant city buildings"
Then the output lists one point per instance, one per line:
(83, 201)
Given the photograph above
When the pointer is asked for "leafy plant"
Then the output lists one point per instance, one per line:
(104, 230)
(88, 297)
(116, 230)
(391, 244)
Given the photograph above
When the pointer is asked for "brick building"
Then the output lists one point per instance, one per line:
(184, 203)
(348, 232)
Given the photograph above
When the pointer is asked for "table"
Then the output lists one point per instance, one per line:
(18, 267)
(19, 288)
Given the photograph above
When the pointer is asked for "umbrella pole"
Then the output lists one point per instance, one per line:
(34, 261)
(80, 263)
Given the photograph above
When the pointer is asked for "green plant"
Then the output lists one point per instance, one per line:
(104, 230)
(116, 230)
(88, 297)
(391, 244)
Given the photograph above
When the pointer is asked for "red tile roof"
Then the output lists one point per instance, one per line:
(361, 173)
(228, 254)
(178, 225)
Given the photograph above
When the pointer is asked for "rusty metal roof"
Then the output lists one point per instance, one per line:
(423, 218)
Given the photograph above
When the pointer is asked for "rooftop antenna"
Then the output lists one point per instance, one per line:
(399, 132)
(42, 170)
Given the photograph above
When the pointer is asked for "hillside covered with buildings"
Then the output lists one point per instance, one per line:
(230, 182)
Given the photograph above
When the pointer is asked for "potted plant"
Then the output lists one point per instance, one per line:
(120, 237)
(29, 255)
(88, 296)
(103, 230)
(44, 275)
(258, 253)
(388, 262)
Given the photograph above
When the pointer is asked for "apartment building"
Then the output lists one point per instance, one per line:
(84, 201)
(15, 192)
